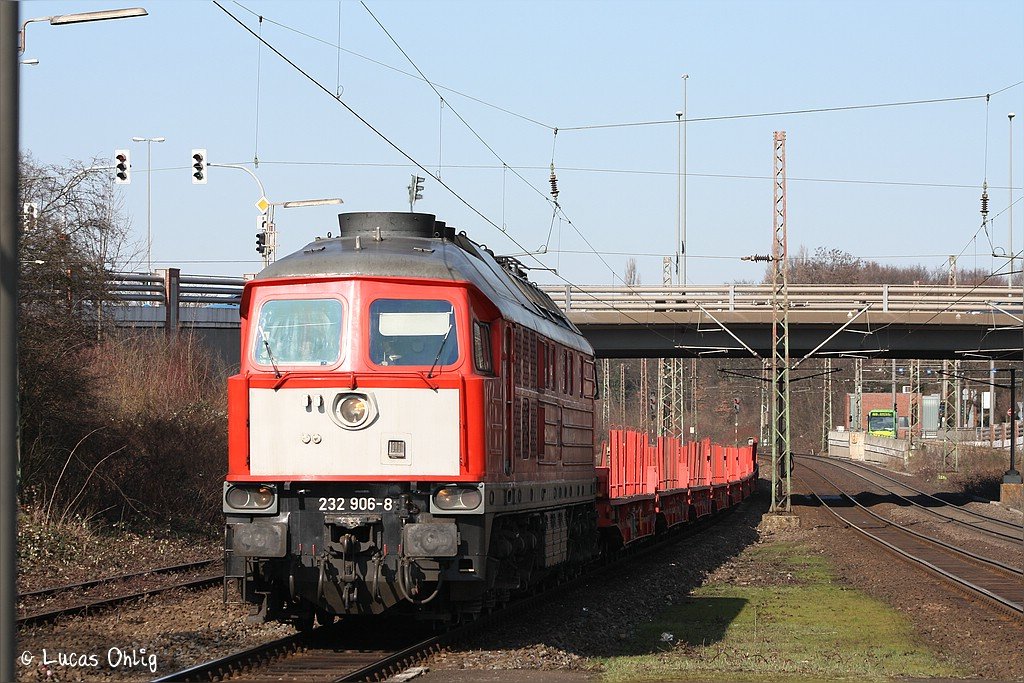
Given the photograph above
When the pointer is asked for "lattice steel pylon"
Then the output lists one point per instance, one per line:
(826, 405)
(914, 434)
(668, 385)
(950, 407)
(645, 399)
(766, 397)
(693, 399)
(857, 409)
(948, 417)
(781, 456)
(622, 395)
(606, 397)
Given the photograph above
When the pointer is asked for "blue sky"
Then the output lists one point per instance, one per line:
(898, 184)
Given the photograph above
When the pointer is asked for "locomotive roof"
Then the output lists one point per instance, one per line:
(416, 245)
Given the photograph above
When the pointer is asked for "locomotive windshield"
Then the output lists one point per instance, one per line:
(413, 332)
(299, 332)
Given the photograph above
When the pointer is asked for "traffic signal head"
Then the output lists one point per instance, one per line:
(122, 167)
(199, 167)
(261, 242)
(415, 188)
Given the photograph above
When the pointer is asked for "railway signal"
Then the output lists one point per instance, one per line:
(415, 190)
(199, 167)
(122, 167)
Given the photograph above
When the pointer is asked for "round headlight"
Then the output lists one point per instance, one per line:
(262, 497)
(249, 497)
(237, 497)
(353, 410)
(455, 498)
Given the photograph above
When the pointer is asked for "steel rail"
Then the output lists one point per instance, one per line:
(846, 467)
(234, 662)
(118, 577)
(952, 551)
(84, 607)
(391, 663)
(925, 537)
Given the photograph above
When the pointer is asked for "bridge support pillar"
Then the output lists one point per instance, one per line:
(172, 288)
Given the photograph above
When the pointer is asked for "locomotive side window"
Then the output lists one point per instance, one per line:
(298, 332)
(413, 332)
(482, 347)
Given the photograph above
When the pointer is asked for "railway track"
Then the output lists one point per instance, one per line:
(986, 524)
(317, 656)
(91, 604)
(975, 574)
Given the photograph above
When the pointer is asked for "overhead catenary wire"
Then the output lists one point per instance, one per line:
(412, 160)
(450, 107)
(395, 69)
(557, 208)
(787, 112)
(259, 80)
(576, 229)
(628, 171)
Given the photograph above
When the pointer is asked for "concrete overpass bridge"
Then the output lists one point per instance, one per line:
(878, 321)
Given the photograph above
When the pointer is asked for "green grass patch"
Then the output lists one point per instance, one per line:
(790, 621)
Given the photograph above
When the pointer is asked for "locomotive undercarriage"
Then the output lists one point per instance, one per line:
(363, 562)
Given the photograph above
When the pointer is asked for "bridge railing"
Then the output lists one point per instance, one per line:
(738, 298)
(177, 295)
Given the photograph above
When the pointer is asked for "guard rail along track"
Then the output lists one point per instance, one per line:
(1001, 584)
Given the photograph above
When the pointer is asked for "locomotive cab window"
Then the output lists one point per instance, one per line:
(413, 332)
(298, 332)
(482, 347)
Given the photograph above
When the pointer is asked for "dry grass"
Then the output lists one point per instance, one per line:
(978, 473)
(145, 440)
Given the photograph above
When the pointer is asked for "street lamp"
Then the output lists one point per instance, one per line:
(682, 243)
(270, 253)
(149, 197)
(268, 246)
(1010, 217)
(80, 18)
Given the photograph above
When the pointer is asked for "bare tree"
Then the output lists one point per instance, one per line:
(73, 230)
(632, 276)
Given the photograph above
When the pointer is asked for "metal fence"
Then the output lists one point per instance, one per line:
(179, 296)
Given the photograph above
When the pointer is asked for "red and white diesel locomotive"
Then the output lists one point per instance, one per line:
(412, 427)
(412, 419)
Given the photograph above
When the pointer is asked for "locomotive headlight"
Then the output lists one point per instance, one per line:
(457, 498)
(353, 411)
(259, 497)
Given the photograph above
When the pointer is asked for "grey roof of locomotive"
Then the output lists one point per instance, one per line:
(415, 245)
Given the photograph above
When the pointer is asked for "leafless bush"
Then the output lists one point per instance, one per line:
(123, 426)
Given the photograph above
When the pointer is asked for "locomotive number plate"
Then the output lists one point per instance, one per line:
(357, 504)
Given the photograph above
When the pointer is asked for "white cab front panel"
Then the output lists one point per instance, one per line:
(291, 433)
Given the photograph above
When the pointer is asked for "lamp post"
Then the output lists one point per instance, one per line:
(266, 218)
(149, 198)
(80, 18)
(1010, 217)
(9, 454)
(682, 241)
(679, 193)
